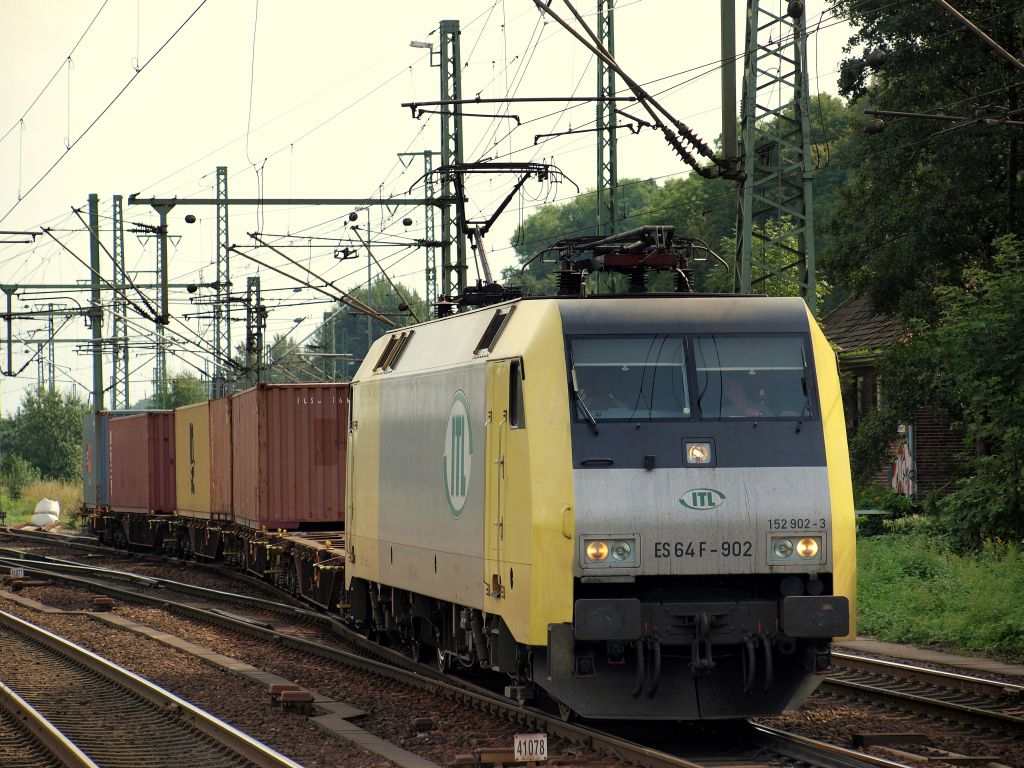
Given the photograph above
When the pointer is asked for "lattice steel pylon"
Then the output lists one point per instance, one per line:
(453, 273)
(429, 232)
(119, 376)
(607, 150)
(222, 305)
(775, 218)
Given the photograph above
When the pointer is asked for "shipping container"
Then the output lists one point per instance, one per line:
(142, 463)
(220, 458)
(95, 456)
(288, 445)
(192, 459)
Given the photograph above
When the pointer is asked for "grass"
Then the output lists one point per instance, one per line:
(21, 510)
(912, 589)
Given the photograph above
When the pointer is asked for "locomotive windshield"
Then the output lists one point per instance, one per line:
(751, 376)
(635, 378)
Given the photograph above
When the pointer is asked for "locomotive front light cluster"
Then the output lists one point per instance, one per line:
(698, 453)
(807, 547)
(793, 549)
(609, 551)
(783, 548)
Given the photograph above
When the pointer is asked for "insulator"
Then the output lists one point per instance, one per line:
(638, 280)
(569, 282)
(795, 9)
(874, 127)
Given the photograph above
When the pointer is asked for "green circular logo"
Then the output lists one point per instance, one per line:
(458, 454)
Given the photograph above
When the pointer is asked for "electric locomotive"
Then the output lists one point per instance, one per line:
(639, 506)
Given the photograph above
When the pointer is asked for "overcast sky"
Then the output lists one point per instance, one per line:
(303, 99)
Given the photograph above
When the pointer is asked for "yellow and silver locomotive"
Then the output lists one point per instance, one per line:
(639, 505)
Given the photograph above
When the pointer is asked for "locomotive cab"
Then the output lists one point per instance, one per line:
(704, 514)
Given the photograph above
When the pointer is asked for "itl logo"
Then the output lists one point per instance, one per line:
(702, 499)
(458, 454)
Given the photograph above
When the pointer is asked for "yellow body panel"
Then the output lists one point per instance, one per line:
(363, 477)
(837, 456)
(192, 459)
(536, 495)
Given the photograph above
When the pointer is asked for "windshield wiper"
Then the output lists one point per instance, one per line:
(579, 400)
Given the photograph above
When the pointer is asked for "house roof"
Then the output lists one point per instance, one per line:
(854, 325)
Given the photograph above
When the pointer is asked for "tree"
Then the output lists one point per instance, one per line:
(46, 431)
(968, 367)
(344, 331)
(719, 277)
(696, 207)
(925, 198)
(286, 363)
(185, 389)
(16, 474)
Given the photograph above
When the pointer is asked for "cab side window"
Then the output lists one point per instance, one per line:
(516, 411)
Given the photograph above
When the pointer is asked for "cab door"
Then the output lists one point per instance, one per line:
(497, 476)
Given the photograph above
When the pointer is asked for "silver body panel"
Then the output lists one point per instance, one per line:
(418, 527)
(755, 503)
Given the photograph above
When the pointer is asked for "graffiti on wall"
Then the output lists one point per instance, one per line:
(901, 474)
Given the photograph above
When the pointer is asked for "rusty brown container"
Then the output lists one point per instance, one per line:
(288, 444)
(220, 458)
(142, 463)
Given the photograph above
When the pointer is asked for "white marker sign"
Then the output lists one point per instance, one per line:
(530, 747)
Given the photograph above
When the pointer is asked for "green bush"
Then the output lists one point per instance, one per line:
(915, 589)
(871, 496)
(16, 474)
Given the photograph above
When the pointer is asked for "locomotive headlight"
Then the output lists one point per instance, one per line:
(783, 548)
(807, 547)
(698, 453)
(621, 550)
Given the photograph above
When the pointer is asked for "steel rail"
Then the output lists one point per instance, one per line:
(227, 735)
(146, 581)
(819, 752)
(87, 544)
(989, 708)
(935, 676)
(48, 735)
(396, 666)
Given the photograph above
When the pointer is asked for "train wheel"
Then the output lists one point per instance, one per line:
(565, 712)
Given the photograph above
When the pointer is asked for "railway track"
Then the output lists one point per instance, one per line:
(29, 740)
(62, 680)
(991, 704)
(758, 746)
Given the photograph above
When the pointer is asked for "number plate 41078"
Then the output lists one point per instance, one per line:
(530, 747)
